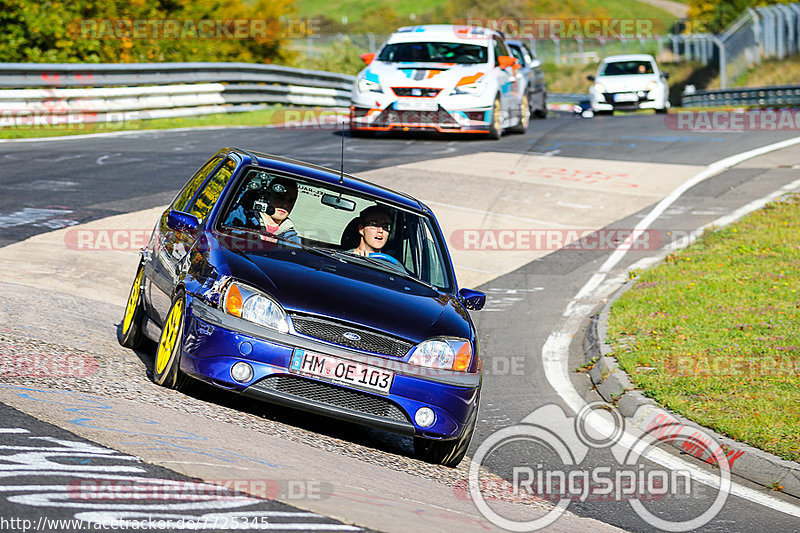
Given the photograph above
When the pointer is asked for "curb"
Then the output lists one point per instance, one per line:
(616, 387)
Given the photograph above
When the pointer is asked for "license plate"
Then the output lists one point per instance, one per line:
(339, 370)
(415, 104)
(625, 97)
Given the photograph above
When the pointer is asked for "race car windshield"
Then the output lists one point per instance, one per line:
(322, 219)
(627, 68)
(434, 53)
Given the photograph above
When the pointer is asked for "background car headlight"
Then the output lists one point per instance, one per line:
(651, 86)
(366, 86)
(443, 353)
(254, 306)
(599, 87)
(473, 89)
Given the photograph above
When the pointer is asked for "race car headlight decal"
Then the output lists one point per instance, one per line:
(443, 353)
(366, 86)
(254, 306)
(473, 89)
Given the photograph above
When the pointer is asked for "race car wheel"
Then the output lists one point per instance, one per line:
(541, 113)
(496, 126)
(524, 116)
(447, 452)
(166, 370)
(130, 334)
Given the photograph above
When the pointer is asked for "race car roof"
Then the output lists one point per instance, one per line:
(448, 33)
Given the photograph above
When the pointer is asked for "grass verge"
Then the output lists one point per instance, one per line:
(312, 117)
(713, 333)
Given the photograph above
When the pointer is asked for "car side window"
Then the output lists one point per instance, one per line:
(518, 54)
(210, 193)
(529, 56)
(185, 196)
(499, 50)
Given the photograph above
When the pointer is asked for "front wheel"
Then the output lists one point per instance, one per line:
(167, 371)
(448, 452)
(130, 335)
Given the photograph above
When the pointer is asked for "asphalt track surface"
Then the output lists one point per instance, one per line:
(56, 183)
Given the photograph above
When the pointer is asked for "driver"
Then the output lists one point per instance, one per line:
(374, 226)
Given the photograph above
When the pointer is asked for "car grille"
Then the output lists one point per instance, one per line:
(422, 118)
(416, 91)
(333, 396)
(328, 331)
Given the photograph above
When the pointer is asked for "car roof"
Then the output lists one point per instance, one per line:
(333, 177)
(442, 33)
(629, 57)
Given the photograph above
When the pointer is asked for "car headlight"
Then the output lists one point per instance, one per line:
(366, 86)
(472, 89)
(599, 87)
(254, 306)
(651, 86)
(443, 353)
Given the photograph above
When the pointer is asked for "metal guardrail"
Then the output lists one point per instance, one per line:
(110, 91)
(777, 96)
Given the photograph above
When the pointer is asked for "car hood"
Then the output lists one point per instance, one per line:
(438, 75)
(635, 82)
(308, 283)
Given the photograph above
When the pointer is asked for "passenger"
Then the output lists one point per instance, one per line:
(374, 226)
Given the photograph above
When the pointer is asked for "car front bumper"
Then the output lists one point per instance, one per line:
(215, 341)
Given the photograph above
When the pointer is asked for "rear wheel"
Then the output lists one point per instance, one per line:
(496, 126)
(541, 113)
(130, 334)
(447, 452)
(524, 116)
(167, 371)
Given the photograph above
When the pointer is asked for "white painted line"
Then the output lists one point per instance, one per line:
(556, 348)
(13, 430)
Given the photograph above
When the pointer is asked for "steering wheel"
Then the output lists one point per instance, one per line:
(388, 258)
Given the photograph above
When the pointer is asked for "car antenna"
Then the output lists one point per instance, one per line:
(341, 164)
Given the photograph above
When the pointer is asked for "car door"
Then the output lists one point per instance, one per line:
(508, 80)
(170, 247)
(538, 87)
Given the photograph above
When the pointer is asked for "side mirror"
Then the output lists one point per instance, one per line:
(536, 63)
(665, 75)
(180, 221)
(506, 61)
(368, 58)
(473, 300)
(590, 77)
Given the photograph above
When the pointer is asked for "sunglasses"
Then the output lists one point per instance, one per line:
(378, 224)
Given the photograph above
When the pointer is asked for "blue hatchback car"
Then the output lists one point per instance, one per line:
(304, 287)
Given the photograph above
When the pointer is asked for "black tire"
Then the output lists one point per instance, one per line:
(362, 134)
(496, 124)
(167, 362)
(447, 452)
(541, 113)
(524, 116)
(130, 333)
(662, 111)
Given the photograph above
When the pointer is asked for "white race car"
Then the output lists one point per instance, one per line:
(443, 78)
(631, 81)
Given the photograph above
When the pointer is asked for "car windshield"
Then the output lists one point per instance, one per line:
(434, 53)
(627, 68)
(319, 218)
